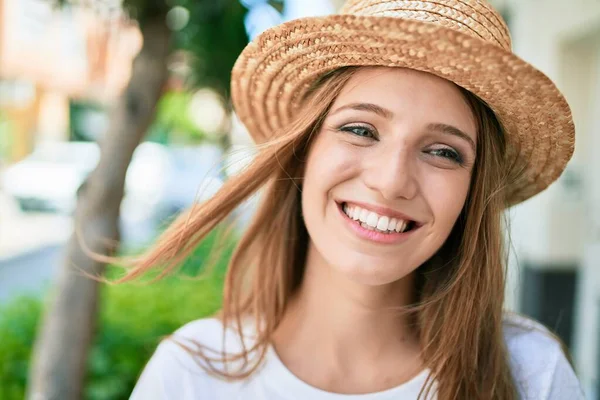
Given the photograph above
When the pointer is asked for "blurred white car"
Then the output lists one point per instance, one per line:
(48, 179)
(160, 180)
(198, 174)
(163, 181)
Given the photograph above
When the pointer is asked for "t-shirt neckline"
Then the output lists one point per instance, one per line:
(282, 380)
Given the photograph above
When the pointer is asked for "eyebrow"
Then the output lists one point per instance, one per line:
(387, 114)
(454, 131)
(374, 108)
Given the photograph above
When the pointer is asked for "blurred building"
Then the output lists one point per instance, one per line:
(556, 235)
(49, 55)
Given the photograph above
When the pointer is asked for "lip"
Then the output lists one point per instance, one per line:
(374, 236)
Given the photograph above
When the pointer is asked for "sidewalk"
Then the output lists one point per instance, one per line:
(21, 233)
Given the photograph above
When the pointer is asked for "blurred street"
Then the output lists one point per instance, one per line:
(29, 273)
(21, 233)
(30, 249)
(31, 246)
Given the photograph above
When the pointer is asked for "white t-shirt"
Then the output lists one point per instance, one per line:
(538, 364)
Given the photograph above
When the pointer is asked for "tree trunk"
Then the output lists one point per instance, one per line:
(58, 366)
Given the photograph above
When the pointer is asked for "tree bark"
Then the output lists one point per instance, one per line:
(59, 363)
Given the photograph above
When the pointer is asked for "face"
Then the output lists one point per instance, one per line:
(388, 173)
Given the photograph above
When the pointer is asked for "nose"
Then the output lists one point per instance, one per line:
(392, 174)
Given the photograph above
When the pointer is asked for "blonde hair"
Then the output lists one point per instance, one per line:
(460, 289)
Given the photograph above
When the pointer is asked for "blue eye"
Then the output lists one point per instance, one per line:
(448, 153)
(359, 130)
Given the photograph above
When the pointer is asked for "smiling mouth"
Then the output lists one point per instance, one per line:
(372, 221)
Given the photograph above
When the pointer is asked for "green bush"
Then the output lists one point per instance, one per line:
(18, 322)
(133, 318)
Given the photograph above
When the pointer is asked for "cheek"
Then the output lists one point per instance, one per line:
(329, 164)
(446, 195)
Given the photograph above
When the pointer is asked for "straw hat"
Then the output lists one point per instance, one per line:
(464, 41)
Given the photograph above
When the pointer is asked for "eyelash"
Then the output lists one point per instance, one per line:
(450, 154)
(444, 152)
(350, 129)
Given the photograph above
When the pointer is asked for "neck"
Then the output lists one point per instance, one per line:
(345, 324)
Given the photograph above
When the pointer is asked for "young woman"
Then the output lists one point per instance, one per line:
(392, 137)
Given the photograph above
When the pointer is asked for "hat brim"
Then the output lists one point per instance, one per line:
(274, 71)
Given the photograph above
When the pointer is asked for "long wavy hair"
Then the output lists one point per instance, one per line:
(460, 290)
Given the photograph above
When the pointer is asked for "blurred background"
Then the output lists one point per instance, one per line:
(147, 82)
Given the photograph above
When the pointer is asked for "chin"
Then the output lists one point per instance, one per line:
(369, 270)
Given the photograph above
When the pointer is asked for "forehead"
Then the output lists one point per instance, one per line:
(410, 95)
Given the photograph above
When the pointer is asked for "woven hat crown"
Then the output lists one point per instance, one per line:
(474, 18)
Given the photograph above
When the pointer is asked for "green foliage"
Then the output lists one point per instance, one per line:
(18, 322)
(216, 36)
(133, 318)
(276, 4)
(172, 119)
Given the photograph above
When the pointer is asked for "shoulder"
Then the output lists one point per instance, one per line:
(522, 333)
(206, 332)
(538, 362)
(175, 369)
(177, 350)
(206, 335)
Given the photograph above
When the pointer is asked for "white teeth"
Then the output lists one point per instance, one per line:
(363, 215)
(382, 224)
(371, 220)
(400, 226)
(369, 227)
